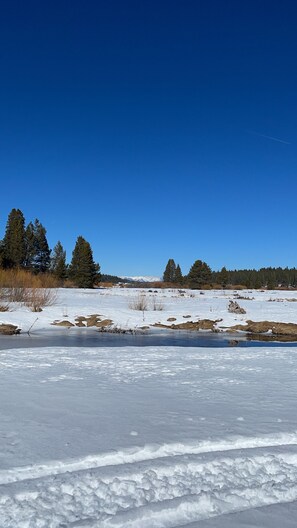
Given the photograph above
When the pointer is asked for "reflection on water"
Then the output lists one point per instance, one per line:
(92, 338)
(270, 338)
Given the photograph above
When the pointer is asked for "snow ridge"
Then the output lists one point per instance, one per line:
(147, 452)
(165, 486)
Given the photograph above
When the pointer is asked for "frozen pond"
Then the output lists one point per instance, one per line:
(93, 338)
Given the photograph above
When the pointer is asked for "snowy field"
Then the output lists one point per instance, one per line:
(115, 304)
(148, 437)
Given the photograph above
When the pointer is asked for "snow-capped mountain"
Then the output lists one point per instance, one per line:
(142, 279)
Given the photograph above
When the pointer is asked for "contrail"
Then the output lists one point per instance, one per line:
(269, 137)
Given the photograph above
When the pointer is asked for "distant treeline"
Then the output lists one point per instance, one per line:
(270, 278)
(25, 247)
(201, 275)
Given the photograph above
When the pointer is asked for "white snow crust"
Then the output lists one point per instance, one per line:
(148, 437)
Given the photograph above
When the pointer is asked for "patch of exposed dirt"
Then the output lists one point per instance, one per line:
(270, 338)
(262, 327)
(104, 323)
(82, 321)
(9, 329)
(66, 324)
(90, 320)
(203, 324)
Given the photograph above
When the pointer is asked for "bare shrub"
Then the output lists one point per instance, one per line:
(3, 295)
(4, 307)
(16, 294)
(38, 298)
(157, 305)
(139, 303)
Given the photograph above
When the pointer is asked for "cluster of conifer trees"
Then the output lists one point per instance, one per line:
(26, 247)
(201, 275)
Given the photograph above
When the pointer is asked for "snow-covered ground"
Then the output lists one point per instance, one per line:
(115, 304)
(148, 437)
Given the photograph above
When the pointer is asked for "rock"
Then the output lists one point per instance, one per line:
(170, 319)
(9, 329)
(235, 308)
(186, 316)
(80, 324)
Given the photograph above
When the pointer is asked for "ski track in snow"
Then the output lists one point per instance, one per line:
(162, 486)
(156, 485)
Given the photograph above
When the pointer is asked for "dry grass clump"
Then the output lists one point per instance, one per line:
(143, 304)
(35, 291)
(14, 278)
(139, 303)
(157, 305)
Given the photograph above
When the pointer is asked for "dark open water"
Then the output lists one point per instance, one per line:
(70, 338)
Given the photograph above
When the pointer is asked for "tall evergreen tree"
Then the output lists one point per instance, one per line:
(41, 261)
(223, 277)
(58, 262)
(1, 254)
(170, 271)
(29, 247)
(83, 270)
(199, 275)
(178, 275)
(14, 240)
(271, 282)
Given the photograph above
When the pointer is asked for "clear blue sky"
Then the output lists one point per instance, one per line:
(155, 129)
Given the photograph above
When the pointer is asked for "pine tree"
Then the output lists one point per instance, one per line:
(58, 262)
(14, 240)
(29, 247)
(41, 261)
(170, 271)
(83, 270)
(1, 253)
(223, 277)
(178, 275)
(199, 275)
(272, 282)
